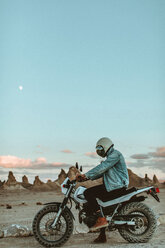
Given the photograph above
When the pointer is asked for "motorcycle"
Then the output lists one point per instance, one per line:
(135, 221)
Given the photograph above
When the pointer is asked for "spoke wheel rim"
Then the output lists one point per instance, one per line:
(141, 224)
(52, 234)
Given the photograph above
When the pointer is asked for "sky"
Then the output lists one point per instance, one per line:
(72, 72)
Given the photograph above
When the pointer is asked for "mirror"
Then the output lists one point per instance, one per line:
(76, 165)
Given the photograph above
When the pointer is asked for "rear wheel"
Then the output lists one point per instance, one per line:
(45, 234)
(145, 223)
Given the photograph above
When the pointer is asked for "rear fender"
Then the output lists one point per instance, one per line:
(153, 192)
(58, 204)
(137, 198)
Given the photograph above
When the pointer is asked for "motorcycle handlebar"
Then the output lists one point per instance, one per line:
(73, 181)
(76, 181)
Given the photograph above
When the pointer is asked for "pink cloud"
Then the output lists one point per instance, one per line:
(39, 163)
(67, 151)
(16, 162)
(91, 154)
(12, 162)
(160, 152)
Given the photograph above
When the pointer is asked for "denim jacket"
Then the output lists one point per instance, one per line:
(113, 170)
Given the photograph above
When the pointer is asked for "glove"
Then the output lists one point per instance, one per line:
(81, 178)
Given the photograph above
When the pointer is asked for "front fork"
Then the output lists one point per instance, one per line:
(62, 206)
(57, 218)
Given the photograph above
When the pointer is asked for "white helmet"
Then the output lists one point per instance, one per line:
(103, 145)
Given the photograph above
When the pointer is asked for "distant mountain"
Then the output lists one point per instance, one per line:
(134, 180)
(38, 185)
(11, 183)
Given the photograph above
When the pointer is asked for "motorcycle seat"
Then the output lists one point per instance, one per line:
(130, 190)
(111, 197)
(126, 196)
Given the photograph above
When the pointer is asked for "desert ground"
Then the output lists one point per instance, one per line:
(24, 208)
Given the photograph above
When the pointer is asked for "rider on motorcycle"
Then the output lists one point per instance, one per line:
(115, 181)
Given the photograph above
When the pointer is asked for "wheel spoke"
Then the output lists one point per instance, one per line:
(141, 223)
(49, 233)
(145, 222)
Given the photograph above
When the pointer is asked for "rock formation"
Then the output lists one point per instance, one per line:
(25, 182)
(25, 179)
(12, 183)
(11, 179)
(37, 181)
(61, 176)
(155, 180)
(52, 185)
(134, 180)
(1, 183)
(17, 231)
(72, 172)
(38, 185)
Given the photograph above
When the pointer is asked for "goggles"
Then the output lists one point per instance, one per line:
(100, 151)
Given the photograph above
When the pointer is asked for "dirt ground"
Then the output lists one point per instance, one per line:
(24, 209)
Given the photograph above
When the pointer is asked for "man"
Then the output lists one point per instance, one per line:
(115, 181)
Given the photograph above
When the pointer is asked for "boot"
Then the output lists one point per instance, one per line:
(101, 238)
(100, 223)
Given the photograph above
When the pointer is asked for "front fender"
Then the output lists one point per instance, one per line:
(59, 203)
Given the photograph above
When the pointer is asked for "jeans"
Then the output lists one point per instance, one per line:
(100, 192)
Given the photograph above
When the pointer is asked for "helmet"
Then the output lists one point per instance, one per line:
(103, 145)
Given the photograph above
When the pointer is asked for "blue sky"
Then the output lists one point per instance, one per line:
(88, 69)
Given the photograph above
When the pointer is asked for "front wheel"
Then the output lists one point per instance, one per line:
(145, 223)
(47, 235)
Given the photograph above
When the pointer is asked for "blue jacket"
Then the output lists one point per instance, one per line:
(113, 170)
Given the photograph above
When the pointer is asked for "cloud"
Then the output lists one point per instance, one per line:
(140, 156)
(12, 162)
(91, 154)
(160, 152)
(39, 163)
(67, 151)
(154, 160)
(154, 164)
(50, 166)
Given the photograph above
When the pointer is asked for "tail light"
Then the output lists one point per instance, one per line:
(154, 192)
(157, 190)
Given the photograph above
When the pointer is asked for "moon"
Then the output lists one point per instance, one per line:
(20, 87)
